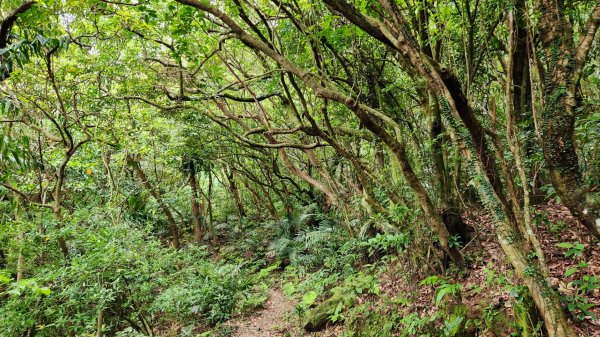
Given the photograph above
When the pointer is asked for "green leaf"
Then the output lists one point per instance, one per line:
(44, 291)
(289, 288)
(4, 279)
(570, 271)
(431, 280)
(309, 298)
(15, 292)
(440, 295)
(452, 327)
(565, 245)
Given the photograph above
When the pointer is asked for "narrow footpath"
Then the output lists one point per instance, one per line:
(268, 322)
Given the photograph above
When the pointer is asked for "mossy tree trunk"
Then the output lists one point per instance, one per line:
(562, 74)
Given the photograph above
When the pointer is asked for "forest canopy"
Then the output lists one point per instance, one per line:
(167, 168)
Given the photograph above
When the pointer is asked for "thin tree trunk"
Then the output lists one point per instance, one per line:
(106, 159)
(62, 243)
(21, 243)
(514, 104)
(439, 167)
(100, 323)
(196, 207)
(210, 206)
(57, 206)
(545, 298)
(2, 259)
(235, 194)
(134, 162)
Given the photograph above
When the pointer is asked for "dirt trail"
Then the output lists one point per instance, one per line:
(268, 322)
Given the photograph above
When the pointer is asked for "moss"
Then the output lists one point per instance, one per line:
(526, 322)
(318, 317)
(500, 323)
(484, 187)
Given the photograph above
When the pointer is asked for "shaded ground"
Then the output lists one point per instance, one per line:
(480, 290)
(268, 322)
(488, 265)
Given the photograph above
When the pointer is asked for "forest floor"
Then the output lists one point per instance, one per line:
(489, 264)
(277, 317)
(270, 321)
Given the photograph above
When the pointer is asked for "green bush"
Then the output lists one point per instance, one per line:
(133, 279)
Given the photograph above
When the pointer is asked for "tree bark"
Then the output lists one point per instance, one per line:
(235, 194)
(196, 207)
(436, 136)
(100, 323)
(545, 298)
(564, 68)
(133, 160)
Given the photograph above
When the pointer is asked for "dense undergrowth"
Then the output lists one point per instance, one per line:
(137, 284)
(345, 286)
(375, 287)
(341, 285)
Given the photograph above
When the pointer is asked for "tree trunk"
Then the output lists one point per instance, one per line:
(563, 165)
(210, 222)
(21, 243)
(432, 216)
(235, 194)
(100, 323)
(436, 137)
(545, 298)
(106, 160)
(57, 206)
(197, 214)
(134, 162)
(2, 259)
(62, 243)
(20, 261)
(564, 68)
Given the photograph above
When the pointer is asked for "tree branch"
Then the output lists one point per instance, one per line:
(586, 40)
(10, 19)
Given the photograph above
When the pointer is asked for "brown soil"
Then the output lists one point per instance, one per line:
(268, 322)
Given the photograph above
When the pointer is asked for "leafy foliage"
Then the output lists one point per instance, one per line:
(163, 162)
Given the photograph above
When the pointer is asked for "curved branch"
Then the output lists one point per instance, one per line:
(586, 40)
(166, 44)
(216, 96)
(272, 131)
(26, 198)
(10, 19)
(263, 145)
